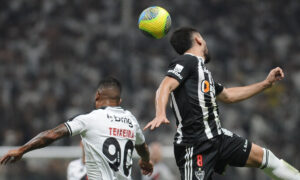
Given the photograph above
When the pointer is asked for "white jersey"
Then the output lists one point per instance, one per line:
(76, 170)
(108, 135)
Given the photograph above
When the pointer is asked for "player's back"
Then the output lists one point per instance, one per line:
(108, 135)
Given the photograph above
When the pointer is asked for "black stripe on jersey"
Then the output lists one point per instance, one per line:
(69, 128)
(211, 116)
(177, 121)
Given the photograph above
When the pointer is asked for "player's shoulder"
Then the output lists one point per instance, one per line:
(132, 117)
(186, 60)
(85, 115)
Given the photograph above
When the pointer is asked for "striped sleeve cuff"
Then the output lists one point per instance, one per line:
(69, 128)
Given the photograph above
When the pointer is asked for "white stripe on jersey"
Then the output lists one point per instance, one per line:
(191, 163)
(202, 101)
(179, 130)
(185, 164)
(188, 166)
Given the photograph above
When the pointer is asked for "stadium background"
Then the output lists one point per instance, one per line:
(54, 52)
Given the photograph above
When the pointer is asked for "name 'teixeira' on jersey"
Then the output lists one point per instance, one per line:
(109, 135)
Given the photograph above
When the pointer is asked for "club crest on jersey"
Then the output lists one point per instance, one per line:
(177, 70)
(200, 174)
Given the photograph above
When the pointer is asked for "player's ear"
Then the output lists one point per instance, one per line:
(120, 101)
(97, 96)
(198, 40)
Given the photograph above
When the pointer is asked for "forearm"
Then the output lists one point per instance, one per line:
(161, 100)
(237, 94)
(41, 140)
(143, 152)
(45, 138)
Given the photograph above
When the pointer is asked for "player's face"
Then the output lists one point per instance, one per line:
(204, 48)
(206, 55)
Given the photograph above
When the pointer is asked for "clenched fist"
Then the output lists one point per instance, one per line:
(147, 167)
(274, 76)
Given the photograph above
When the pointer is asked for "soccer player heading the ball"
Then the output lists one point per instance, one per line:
(201, 146)
(109, 133)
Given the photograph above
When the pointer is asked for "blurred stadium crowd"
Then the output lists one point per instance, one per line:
(54, 52)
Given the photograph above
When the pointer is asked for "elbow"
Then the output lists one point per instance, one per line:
(49, 136)
(227, 99)
(227, 96)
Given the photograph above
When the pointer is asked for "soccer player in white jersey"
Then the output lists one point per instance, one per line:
(76, 168)
(109, 134)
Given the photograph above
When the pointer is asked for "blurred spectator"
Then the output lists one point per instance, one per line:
(53, 52)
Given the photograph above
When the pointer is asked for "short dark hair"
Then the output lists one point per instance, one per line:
(110, 82)
(181, 39)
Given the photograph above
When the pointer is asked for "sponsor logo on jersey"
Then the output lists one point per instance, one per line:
(200, 174)
(177, 70)
(207, 87)
(121, 119)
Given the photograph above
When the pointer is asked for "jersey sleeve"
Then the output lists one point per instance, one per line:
(219, 88)
(77, 125)
(140, 139)
(180, 69)
(139, 136)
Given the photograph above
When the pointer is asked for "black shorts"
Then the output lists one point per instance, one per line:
(200, 161)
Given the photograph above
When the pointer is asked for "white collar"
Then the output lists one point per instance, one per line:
(199, 57)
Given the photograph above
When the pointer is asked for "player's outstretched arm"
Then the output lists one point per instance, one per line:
(41, 140)
(144, 163)
(236, 94)
(162, 96)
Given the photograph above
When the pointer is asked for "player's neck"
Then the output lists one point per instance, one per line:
(106, 102)
(195, 52)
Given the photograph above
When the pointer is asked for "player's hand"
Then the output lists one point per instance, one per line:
(274, 76)
(156, 122)
(11, 157)
(146, 167)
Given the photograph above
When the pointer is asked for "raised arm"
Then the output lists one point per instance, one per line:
(41, 140)
(236, 94)
(145, 163)
(162, 96)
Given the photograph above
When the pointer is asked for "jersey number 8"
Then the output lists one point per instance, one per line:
(115, 158)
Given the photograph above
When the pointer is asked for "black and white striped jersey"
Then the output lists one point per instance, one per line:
(194, 100)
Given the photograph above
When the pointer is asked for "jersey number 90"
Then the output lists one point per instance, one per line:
(115, 158)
